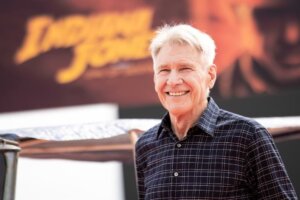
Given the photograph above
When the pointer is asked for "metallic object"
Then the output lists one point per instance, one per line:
(9, 152)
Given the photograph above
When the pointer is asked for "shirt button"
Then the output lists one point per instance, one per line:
(178, 145)
(176, 174)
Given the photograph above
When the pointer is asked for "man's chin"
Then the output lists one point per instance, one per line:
(178, 109)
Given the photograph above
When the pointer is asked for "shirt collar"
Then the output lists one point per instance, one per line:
(207, 121)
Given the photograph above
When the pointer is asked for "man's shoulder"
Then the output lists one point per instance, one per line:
(246, 129)
(238, 121)
(148, 135)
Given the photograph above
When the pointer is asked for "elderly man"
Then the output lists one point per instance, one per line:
(200, 151)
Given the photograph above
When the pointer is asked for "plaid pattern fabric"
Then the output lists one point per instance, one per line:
(224, 156)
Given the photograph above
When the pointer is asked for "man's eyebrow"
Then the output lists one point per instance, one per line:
(162, 66)
(183, 64)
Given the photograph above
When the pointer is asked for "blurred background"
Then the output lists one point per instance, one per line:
(62, 53)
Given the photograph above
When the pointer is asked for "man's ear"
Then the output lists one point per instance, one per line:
(212, 72)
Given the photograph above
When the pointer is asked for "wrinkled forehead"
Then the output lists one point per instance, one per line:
(169, 47)
(178, 54)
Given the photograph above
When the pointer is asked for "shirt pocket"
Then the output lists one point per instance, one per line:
(227, 172)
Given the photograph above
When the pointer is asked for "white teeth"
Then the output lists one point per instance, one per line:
(176, 93)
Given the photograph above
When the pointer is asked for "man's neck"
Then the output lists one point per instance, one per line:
(182, 123)
(180, 126)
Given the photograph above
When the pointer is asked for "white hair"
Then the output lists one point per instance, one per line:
(184, 34)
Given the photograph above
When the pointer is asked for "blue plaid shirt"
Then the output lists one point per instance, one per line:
(223, 156)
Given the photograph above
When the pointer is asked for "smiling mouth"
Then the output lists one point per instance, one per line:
(176, 94)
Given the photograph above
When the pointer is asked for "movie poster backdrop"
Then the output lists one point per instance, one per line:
(58, 53)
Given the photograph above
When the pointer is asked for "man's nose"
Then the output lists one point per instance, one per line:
(174, 78)
(292, 32)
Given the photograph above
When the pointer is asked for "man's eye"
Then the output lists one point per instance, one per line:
(164, 70)
(186, 69)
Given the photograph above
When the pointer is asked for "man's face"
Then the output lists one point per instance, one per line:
(280, 30)
(181, 80)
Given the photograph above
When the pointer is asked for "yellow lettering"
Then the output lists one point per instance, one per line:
(36, 27)
(97, 40)
(75, 29)
(51, 38)
(97, 55)
(136, 22)
(119, 24)
(65, 33)
(77, 67)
